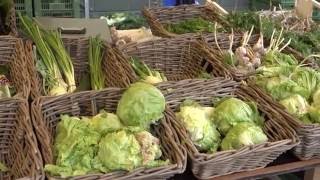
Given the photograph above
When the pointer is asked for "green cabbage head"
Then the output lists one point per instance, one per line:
(105, 122)
(296, 105)
(316, 98)
(140, 105)
(231, 111)
(243, 134)
(201, 130)
(74, 149)
(120, 151)
(129, 149)
(314, 114)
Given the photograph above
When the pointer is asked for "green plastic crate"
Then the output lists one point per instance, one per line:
(287, 4)
(316, 15)
(259, 4)
(24, 7)
(58, 8)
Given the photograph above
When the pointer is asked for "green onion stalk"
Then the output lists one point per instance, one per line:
(53, 78)
(95, 62)
(54, 40)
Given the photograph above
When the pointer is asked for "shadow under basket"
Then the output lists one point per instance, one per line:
(281, 137)
(46, 113)
(309, 135)
(177, 58)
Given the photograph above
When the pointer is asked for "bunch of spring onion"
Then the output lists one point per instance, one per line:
(273, 53)
(245, 57)
(54, 62)
(145, 73)
(95, 61)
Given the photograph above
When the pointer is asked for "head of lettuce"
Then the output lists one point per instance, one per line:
(141, 105)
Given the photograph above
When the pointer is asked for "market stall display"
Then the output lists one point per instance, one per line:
(116, 101)
(206, 164)
(222, 92)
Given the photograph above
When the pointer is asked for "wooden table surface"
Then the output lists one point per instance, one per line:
(286, 163)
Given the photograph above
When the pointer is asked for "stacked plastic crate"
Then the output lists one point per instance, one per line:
(58, 8)
(24, 7)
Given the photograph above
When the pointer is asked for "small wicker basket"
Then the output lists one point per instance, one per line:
(19, 150)
(204, 166)
(159, 16)
(46, 113)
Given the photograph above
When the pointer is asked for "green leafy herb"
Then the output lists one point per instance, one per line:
(95, 62)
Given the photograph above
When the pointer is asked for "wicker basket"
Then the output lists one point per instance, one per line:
(78, 49)
(309, 135)
(208, 45)
(177, 58)
(158, 17)
(281, 136)
(46, 113)
(12, 55)
(19, 150)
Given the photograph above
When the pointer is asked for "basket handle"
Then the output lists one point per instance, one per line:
(72, 30)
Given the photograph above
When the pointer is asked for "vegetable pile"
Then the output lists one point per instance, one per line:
(245, 57)
(145, 73)
(123, 21)
(54, 63)
(194, 25)
(305, 39)
(231, 124)
(294, 85)
(110, 142)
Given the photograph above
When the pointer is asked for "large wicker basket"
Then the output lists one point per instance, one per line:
(46, 113)
(309, 135)
(281, 136)
(177, 58)
(19, 150)
(78, 48)
(159, 16)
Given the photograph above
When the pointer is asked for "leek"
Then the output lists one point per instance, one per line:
(54, 82)
(95, 61)
(54, 40)
(145, 73)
